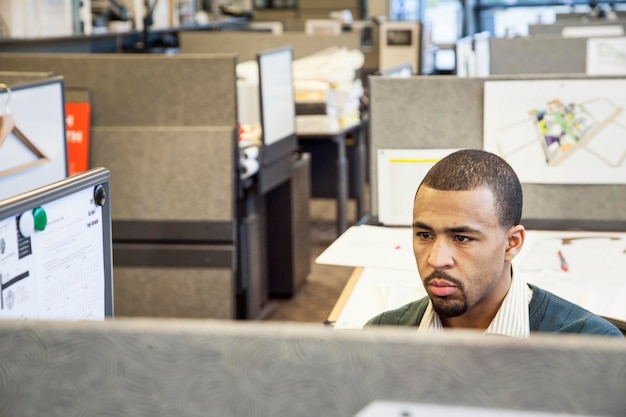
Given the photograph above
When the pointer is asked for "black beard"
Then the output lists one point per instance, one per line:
(449, 308)
(444, 306)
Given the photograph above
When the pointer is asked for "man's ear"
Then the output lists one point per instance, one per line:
(515, 241)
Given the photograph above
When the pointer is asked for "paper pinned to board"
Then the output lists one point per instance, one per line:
(400, 172)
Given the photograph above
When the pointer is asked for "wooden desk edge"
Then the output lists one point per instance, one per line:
(344, 296)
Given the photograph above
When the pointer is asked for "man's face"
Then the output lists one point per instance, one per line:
(461, 252)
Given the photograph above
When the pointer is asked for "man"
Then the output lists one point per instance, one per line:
(466, 232)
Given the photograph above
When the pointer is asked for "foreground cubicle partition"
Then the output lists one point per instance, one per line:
(441, 112)
(219, 368)
(166, 129)
(247, 44)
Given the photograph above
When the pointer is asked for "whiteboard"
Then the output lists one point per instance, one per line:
(55, 251)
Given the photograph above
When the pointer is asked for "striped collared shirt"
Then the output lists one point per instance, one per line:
(510, 320)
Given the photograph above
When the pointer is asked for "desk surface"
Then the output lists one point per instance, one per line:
(306, 132)
(593, 277)
(330, 157)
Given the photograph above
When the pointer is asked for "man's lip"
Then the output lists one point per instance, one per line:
(441, 287)
(439, 282)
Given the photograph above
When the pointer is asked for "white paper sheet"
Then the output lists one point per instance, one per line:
(590, 270)
(378, 290)
(606, 56)
(372, 246)
(407, 409)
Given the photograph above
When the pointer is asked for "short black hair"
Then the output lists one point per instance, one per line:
(469, 169)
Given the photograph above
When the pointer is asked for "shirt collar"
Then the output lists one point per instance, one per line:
(510, 320)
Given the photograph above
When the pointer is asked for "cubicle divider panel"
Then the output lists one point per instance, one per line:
(145, 90)
(164, 174)
(557, 27)
(578, 17)
(441, 112)
(193, 281)
(247, 44)
(190, 368)
(422, 112)
(171, 184)
(17, 77)
(538, 55)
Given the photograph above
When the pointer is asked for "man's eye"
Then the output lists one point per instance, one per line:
(462, 239)
(424, 235)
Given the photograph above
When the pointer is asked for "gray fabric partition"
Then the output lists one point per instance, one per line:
(580, 17)
(247, 44)
(159, 368)
(145, 90)
(537, 55)
(184, 166)
(447, 112)
(186, 291)
(13, 77)
(181, 176)
(557, 27)
(168, 173)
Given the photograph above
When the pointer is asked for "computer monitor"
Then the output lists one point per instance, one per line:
(33, 148)
(55, 251)
(398, 42)
(277, 102)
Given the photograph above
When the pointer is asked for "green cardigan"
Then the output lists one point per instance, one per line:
(547, 313)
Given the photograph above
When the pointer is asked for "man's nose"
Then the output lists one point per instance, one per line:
(441, 254)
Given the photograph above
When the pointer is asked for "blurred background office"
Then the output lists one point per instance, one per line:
(444, 21)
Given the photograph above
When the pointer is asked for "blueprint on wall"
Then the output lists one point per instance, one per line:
(559, 131)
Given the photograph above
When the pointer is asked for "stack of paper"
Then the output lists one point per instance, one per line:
(328, 90)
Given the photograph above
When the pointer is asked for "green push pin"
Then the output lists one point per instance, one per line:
(40, 217)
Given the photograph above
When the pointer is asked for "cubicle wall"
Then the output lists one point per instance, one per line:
(13, 77)
(557, 27)
(538, 55)
(220, 368)
(443, 112)
(145, 90)
(165, 127)
(585, 16)
(181, 187)
(247, 44)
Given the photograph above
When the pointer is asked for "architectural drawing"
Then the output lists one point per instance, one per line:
(558, 131)
(564, 128)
